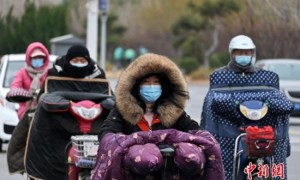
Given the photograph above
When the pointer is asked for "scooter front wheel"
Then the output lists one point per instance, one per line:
(84, 175)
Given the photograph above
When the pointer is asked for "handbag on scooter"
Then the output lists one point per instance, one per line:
(260, 141)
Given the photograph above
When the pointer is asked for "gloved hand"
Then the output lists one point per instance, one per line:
(189, 158)
(18, 95)
(108, 103)
(143, 159)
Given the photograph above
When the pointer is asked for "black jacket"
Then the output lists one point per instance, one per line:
(59, 70)
(115, 123)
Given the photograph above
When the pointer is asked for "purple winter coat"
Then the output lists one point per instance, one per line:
(196, 151)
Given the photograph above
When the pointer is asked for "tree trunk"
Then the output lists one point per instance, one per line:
(214, 44)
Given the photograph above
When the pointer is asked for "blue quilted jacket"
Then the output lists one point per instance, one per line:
(222, 118)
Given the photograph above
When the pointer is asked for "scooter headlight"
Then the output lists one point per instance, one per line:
(253, 110)
(86, 113)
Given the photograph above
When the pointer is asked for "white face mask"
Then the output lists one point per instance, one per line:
(79, 64)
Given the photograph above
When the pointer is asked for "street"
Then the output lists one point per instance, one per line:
(194, 108)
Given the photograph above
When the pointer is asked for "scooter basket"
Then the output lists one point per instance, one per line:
(85, 147)
(260, 141)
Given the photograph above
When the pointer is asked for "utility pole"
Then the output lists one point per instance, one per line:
(103, 7)
(92, 28)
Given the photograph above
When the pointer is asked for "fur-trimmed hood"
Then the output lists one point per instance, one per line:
(146, 64)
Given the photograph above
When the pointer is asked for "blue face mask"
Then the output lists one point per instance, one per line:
(150, 93)
(37, 62)
(243, 60)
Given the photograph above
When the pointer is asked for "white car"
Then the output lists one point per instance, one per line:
(289, 78)
(10, 65)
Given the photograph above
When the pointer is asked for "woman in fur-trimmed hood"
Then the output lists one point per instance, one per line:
(149, 114)
(151, 94)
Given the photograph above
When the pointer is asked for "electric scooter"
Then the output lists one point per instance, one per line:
(254, 147)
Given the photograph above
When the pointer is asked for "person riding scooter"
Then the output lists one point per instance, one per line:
(233, 85)
(23, 90)
(32, 76)
(151, 95)
(73, 78)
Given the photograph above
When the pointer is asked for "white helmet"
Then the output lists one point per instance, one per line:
(242, 42)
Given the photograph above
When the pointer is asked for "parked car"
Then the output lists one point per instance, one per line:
(10, 64)
(8, 121)
(289, 78)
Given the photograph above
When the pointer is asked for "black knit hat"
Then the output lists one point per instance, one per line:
(77, 51)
